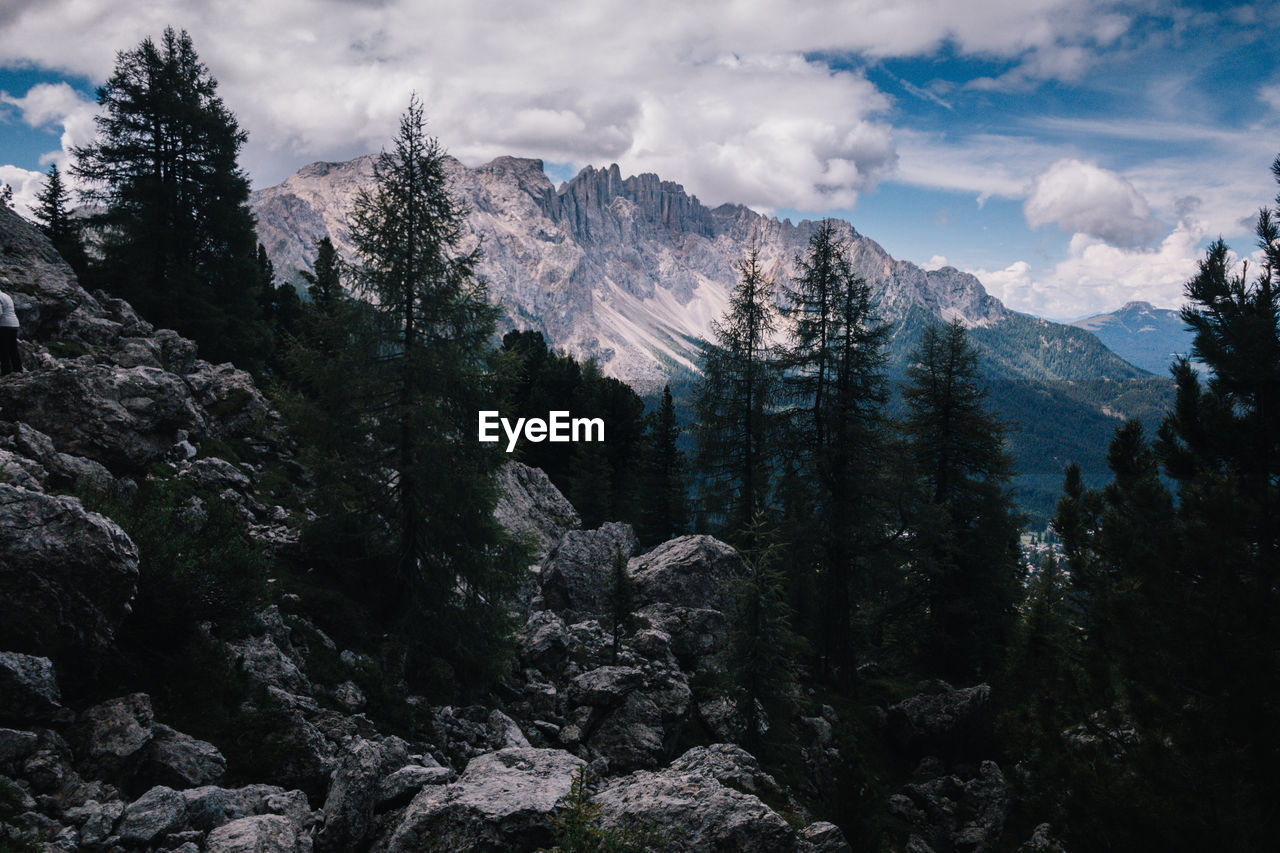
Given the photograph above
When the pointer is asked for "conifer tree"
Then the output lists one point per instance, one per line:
(736, 397)
(762, 647)
(837, 430)
(451, 563)
(968, 538)
(53, 215)
(324, 286)
(663, 512)
(621, 599)
(176, 234)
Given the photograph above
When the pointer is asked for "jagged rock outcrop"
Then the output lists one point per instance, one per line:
(530, 505)
(28, 688)
(690, 571)
(501, 802)
(575, 576)
(67, 575)
(950, 811)
(938, 715)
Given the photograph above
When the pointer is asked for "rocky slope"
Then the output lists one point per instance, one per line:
(109, 402)
(632, 271)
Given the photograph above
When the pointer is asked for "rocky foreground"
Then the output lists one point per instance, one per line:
(108, 398)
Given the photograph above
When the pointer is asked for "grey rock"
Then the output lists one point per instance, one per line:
(938, 713)
(28, 687)
(824, 837)
(209, 807)
(689, 571)
(730, 765)
(506, 732)
(348, 807)
(697, 634)
(398, 788)
(502, 801)
(691, 810)
(530, 505)
(68, 574)
(16, 745)
(95, 820)
(543, 643)
(575, 576)
(605, 686)
(159, 811)
(259, 834)
(125, 418)
(181, 761)
(232, 403)
(113, 737)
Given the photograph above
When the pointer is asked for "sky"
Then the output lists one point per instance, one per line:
(1073, 154)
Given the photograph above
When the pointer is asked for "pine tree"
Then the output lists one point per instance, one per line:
(452, 565)
(176, 234)
(736, 397)
(323, 284)
(621, 599)
(762, 647)
(663, 512)
(968, 539)
(53, 215)
(837, 432)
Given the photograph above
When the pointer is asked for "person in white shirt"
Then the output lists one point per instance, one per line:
(10, 360)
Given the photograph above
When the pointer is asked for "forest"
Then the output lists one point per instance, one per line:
(1134, 671)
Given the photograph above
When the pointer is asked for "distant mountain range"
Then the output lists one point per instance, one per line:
(1141, 334)
(632, 271)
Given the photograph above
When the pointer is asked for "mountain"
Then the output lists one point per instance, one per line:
(1142, 334)
(633, 271)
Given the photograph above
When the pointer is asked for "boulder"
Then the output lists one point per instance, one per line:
(95, 820)
(209, 807)
(112, 738)
(697, 634)
(28, 687)
(233, 405)
(691, 810)
(949, 811)
(575, 576)
(940, 718)
(259, 834)
(605, 686)
(181, 761)
(16, 745)
(399, 788)
(824, 837)
(501, 802)
(530, 505)
(353, 792)
(125, 418)
(1042, 840)
(67, 576)
(42, 285)
(156, 813)
(543, 643)
(688, 571)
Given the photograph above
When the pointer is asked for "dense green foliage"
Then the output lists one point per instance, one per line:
(735, 399)
(174, 230)
(53, 215)
(602, 480)
(966, 543)
(386, 393)
(664, 512)
(1150, 707)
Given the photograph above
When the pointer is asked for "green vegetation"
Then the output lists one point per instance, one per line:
(174, 235)
(578, 828)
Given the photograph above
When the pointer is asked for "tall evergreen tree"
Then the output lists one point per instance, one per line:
(176, 234)
(452, 563)
(663, 512)
(835, 383)
(53, 215)
(324, 286)
(736, 397)
(762, 647)
(968, 539)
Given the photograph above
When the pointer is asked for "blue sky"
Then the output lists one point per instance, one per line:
(1073, 154)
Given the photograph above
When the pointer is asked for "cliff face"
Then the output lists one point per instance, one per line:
(630, 271)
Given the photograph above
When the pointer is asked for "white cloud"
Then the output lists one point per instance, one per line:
(26, 185)
(726, 98)
(1097, 277)
(48, 104)
(936, 262)
(1085, 198)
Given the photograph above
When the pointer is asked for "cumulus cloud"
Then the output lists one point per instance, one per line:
(1097, 277)
(733, 100)
(1087, 199)
(55, 104)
